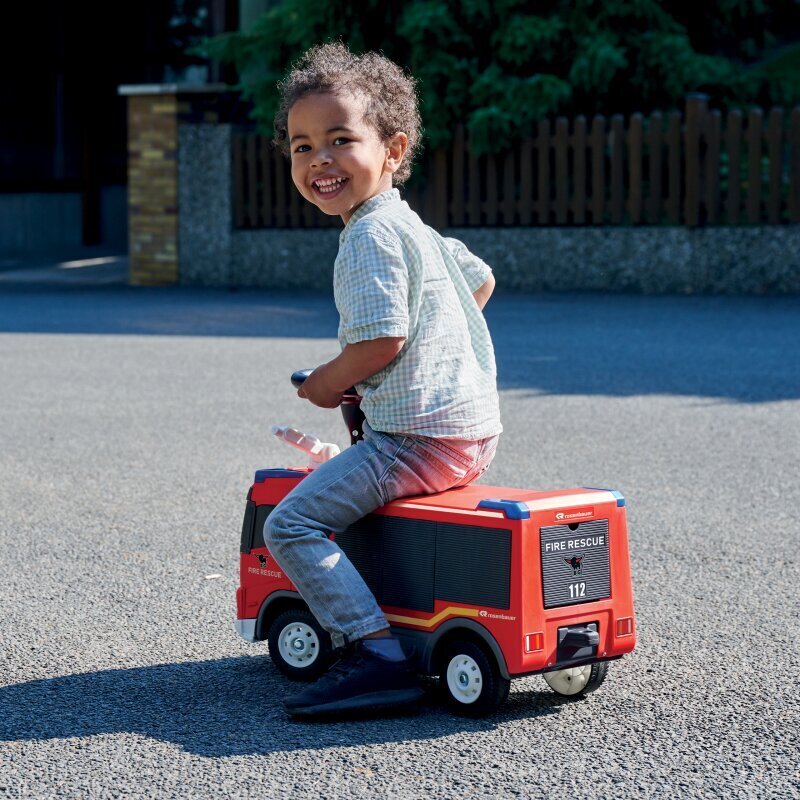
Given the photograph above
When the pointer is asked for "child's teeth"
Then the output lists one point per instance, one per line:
(329, 184)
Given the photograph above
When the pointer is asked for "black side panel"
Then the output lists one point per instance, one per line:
(408, 548)
(361, 543)
(262, 512)
(407, 563)
(473, 565)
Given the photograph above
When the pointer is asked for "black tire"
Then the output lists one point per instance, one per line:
(299, 646)
(569, 684)
(470, 678)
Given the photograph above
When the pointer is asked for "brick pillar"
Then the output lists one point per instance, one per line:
(154, 116)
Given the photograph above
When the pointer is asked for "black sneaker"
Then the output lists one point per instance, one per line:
(360, 681)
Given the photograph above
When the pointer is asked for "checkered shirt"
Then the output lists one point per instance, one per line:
(395, 276)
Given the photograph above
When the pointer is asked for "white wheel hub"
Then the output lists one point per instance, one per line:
(464, 679)
(569, 681)
(298, 644)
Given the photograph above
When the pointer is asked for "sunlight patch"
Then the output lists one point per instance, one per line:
(329, 562)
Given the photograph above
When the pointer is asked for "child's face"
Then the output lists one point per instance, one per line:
(338, 159)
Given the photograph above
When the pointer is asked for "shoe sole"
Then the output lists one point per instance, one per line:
(374, 701)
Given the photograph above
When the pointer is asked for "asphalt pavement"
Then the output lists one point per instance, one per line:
(132, 421)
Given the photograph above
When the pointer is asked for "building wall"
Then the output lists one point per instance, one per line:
(42, 222)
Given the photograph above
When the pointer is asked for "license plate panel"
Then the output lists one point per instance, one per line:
(575, 563)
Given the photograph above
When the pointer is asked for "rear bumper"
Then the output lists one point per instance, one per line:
(246, 628)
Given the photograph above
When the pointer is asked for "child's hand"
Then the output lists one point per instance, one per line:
(317, 389)
(325, 386)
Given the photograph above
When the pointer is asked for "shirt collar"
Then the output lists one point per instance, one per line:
(367, 207)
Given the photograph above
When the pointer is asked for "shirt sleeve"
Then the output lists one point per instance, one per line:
(373, 295)
(475, 271)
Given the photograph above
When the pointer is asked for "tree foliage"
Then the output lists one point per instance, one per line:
(501, 65)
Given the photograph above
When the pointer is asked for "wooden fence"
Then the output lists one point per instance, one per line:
(692, 169)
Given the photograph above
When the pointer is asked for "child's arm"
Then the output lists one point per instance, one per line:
(476, 272)
(356, 362)
(483, 293)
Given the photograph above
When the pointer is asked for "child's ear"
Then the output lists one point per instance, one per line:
(396, 147)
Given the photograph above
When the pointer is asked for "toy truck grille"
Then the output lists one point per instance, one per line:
(575, 563)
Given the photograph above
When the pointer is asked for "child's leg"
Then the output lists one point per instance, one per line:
(340, 492)
(332, 497)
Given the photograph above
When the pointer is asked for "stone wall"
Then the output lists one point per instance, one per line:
(720, 260)
(761, 259)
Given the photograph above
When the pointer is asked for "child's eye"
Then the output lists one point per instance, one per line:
(341, 140)
(302, 148)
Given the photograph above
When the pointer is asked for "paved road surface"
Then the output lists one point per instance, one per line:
(131, 423)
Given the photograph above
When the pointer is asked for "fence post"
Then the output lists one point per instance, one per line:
(251, 213)
(155, 114)
(562, 175)
(598, 145)
(696, 111)
(733, 141)
(509, 189)
(713, 141)
(579, 160)
(635, 142)
(674, 167)
(755, 121)
(265, 157)
(459, 168)
(439, 174)
(543, 153)
(474, 178)
(775, 148)
(526, 183)
(237, 152)
(655, 143)
(617, 168)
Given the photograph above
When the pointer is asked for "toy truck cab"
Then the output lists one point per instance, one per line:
(482, 584)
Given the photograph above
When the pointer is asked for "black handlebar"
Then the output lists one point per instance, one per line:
(299, 377)
(351, 406)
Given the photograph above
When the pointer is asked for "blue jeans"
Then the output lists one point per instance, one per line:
(339, 492)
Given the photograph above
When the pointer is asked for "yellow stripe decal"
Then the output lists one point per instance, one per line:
(429, 623)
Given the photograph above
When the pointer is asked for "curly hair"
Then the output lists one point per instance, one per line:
(390, 94)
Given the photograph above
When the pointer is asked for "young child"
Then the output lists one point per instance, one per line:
(413, 341)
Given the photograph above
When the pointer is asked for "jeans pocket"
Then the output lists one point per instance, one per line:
(453, 466)
(454, 451)
(484, 458)
(389, 445)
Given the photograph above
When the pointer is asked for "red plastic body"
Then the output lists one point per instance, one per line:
(526, 631)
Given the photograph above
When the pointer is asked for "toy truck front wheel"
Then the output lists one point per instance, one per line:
(471, 679)
(577, 681)
(299, 646)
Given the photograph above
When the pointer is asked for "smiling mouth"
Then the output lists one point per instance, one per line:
(328, 187)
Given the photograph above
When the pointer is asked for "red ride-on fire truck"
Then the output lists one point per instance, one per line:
(481, 584)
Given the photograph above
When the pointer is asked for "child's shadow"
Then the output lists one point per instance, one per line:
(216, 708)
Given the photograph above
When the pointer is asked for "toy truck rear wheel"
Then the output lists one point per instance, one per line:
(471, 679)
(299, 646)
(577, 681)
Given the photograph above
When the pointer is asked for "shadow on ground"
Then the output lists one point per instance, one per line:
(217, 708)
(726, 348)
